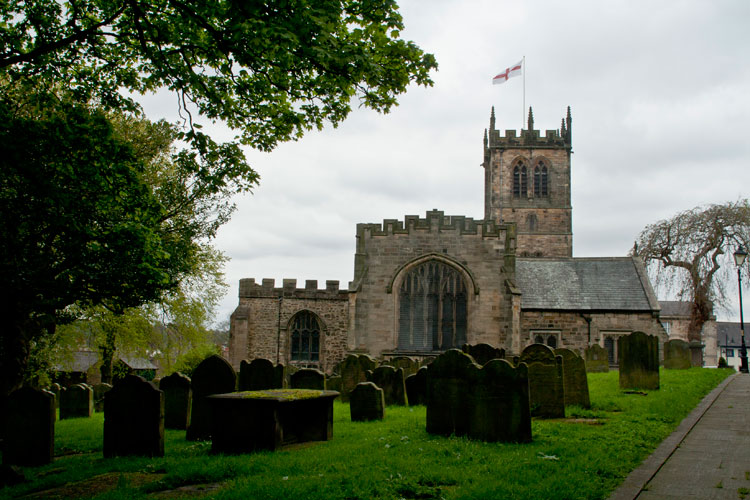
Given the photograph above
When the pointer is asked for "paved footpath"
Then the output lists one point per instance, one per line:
(707, 457)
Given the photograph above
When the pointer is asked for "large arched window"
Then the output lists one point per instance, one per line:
(540, 180)
(305, 337)
(520, 181)
(432, 308)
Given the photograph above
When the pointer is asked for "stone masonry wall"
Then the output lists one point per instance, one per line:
(482, 252)
(260, 325)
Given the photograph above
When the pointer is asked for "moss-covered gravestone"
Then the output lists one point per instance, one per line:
(99, 391)
(178, 397)
(408, 364)
(482, 353)
(367, 402)
(546, 385)
(638, 357)
(29, 428)
(214, 375)
(308, 378)
(353, 370)
(416, 387)
(677, 355)
(77, 401)
(391, 381)
(597, 359)
(575, 382)
(134, 419)
(333, 383)
(260, 374)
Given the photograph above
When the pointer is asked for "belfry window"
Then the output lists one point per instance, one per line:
(520, 181)
(540, 181)
(432, 308)
(305, 337)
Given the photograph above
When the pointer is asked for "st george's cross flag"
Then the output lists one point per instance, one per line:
(510, 72)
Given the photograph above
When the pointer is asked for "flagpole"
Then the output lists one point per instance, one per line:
(523, 111)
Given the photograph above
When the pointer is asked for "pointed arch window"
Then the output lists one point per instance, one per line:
(520, 181)
(305, 341)
(540, 180)
(432, 308)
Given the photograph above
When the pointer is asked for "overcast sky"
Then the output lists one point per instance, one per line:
(660, 99)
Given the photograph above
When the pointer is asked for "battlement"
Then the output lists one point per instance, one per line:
(434, 221)
(267, 289)
(529, 137)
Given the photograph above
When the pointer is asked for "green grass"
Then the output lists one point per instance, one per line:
(585, 458)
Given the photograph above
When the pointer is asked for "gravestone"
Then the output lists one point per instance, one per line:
(408, 364)
(597, 359)
(416, 387)
(546, 385)
(56, 388)
(677, 355)
(308, 378)
(178, 397)
(367, 402)
(391, 381)
(77, 401)
(575, 382)
(99, 391)
(133, 419)
(333, 383)
(638, 357)
(260, 374)
(490, 403)
(214, 375)
(29, 428)
(353, 370)
(482, 353)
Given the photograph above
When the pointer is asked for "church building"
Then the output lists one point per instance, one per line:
(424, 285)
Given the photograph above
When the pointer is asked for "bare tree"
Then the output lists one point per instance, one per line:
(686, 255)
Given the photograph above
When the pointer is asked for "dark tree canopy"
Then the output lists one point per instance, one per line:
(691, 254)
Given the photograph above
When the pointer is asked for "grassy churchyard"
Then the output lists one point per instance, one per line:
(584, 456)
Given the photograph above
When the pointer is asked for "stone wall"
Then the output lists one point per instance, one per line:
(260, 326)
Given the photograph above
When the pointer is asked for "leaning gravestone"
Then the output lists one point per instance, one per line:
(408, 364)
(99, 391)
(308, 378)
(489, 403)
(575, 382)
(260, 374)
(214, 375)
(638, 357)
(367, 402)
(77, 401)
(416, 387)
(29, 428)
(597, 359)
(392, 382)
(482, 353)
(677, 355)
(546, 385)
(134, 419)
(178, 396)
(353, 370)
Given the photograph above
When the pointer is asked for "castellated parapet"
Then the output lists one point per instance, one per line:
(267, 288)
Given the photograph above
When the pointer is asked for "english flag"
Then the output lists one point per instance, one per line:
(510, 72)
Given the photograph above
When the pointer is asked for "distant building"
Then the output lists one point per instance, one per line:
(675, 317)
(729, 338)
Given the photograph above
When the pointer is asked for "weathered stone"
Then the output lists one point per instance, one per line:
(597, 359)
(575, 382)
(29, 427)
(353, 370)
(638, 357)
(409, 365)
(546, 386)
(416, 387)
(76, 401)
(333, 383)
(391, 381)
(134, 419)
(55, 388)
(367, 402)
(482, 353)
(99, 391)
(677, 355)
(178, 396)
(308, 378)
(260, 374)
(447, 390)
(214, 375)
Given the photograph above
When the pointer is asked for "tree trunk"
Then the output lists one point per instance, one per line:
(107, 351)
(700, 313)
(14, 357)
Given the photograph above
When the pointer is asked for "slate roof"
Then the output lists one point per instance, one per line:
(79, 362)
(137, 363)
(675, 308)
(729, 334)
(585, 284)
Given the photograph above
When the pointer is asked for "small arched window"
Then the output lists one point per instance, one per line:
(539, 339)
(552, 341)
(520, 181)
(305, 337)
(540, 180)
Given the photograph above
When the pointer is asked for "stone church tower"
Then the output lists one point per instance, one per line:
(527, 181)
